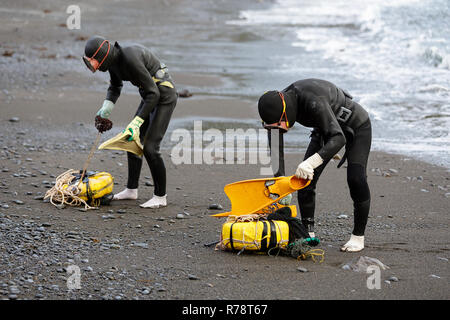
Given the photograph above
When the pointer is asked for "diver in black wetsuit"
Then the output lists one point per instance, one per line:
(337, 121)
(138, 65)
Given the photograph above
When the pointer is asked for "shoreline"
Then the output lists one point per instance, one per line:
(72, 109)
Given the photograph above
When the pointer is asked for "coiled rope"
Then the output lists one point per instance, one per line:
(65, 193)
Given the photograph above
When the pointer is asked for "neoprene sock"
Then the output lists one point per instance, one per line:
(155, 202)
(355, 244)
(127, 194)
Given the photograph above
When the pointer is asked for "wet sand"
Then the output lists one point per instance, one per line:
(126, 252)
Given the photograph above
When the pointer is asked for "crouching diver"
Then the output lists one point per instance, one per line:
(337, 121)
(138, 65)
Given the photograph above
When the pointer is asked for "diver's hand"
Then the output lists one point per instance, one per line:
(102, 124)
(106, 109)
(305, 170)
(133, 129)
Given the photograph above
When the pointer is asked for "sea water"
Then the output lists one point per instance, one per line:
(392, 56)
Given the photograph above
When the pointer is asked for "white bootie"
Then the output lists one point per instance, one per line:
(155, 202)
(127, 194)
(312, 234)
(355, 244)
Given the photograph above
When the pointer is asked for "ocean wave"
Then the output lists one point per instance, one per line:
(436, 58)
(393, 55)
(246, 36)
(435, 88)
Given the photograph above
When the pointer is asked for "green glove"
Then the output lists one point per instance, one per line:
(286, 200)
(106, 109)
(133, 128)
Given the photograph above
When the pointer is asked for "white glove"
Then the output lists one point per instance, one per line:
(305, 170)
(106, 109)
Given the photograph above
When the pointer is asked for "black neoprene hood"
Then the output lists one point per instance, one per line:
(103, 51)
(270, 107)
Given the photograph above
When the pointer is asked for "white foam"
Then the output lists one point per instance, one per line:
(395, 48)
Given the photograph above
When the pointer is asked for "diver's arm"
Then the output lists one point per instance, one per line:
(327, 124)
(329, 127)
(112, 95)
(115, 87)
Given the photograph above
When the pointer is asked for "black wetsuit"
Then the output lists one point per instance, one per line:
(159, 97)
(337, 121)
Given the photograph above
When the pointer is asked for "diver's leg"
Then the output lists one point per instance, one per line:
(357, 158)
(152, 142)
(307, 196)
(134, 167)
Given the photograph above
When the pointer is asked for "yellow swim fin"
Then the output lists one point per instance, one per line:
(121, 142)
(251, 196)
(275, 206)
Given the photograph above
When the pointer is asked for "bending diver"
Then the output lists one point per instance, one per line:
(138, 65)
(337, 121)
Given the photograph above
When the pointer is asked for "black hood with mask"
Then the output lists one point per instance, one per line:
(270, 107)
(101, 49)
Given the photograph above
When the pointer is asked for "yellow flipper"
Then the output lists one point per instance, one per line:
(251, 196)
(121, 142)
(274, 207)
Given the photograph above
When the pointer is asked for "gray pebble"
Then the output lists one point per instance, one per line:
(393, 279)
(215, 206)
(192, 277)
(140, 245)
(14, 290)
(108, 216)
